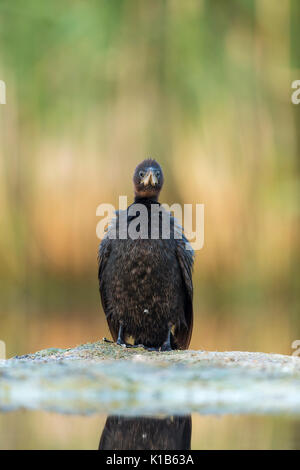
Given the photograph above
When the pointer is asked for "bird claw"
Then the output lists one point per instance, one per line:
(119, 343)
(106, 340)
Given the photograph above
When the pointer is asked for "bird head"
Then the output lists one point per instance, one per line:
(148, 179)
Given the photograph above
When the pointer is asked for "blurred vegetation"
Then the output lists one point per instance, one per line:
(204, 86)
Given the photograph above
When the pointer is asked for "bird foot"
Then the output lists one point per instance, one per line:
(119, 343)
(150, 348)
(141, 346)
(123, 344)
(164, 347)
(147, 348)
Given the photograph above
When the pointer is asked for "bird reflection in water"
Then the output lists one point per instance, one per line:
(126, 433)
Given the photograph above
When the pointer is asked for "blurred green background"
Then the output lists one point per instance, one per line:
(203, 86)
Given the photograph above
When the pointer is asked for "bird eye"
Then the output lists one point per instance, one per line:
(157, 173)
(142, 174)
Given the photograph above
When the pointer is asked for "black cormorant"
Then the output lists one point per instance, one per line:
(146, 283)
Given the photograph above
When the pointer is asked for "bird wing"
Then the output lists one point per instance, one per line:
(103, 256)
(185, 258)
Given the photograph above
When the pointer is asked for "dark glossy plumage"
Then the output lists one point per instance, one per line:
(172, 433)
(146, 284)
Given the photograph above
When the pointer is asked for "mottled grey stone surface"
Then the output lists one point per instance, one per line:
(107, 378)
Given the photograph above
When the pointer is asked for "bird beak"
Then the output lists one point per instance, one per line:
(150, 178)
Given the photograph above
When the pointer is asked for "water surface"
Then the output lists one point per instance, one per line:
(45, 430)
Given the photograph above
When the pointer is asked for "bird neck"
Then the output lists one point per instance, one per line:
(147, 201)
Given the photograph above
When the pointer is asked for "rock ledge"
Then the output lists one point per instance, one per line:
(106, 378)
